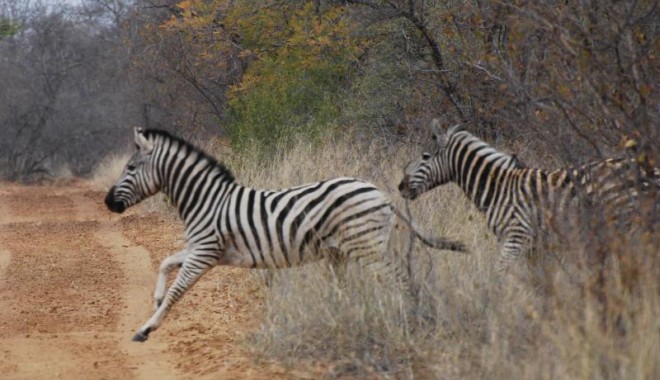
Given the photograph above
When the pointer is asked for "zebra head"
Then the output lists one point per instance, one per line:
(431, 170)
(138, 180)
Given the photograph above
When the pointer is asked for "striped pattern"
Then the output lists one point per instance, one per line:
(229, 224)
(521, 203)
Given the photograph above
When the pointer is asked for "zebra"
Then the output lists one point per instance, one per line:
(518, 202)
(229, 224)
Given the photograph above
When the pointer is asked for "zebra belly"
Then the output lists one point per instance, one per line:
(248, 256)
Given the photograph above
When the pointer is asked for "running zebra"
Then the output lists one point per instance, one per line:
(519, 202)
(229, 224)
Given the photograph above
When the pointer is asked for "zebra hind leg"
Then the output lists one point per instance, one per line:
(191, 271)
(337, 262)
(512, 247)
(382, 264)
(166, 267)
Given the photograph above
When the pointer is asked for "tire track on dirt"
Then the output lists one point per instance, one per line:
(147, 361)
(52, 322)
(74, 288)
(5, 259)
(5, 254)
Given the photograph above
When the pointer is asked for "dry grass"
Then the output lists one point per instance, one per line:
(107, 172)
(542, 321)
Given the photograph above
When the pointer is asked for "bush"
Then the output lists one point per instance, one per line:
(295, 86)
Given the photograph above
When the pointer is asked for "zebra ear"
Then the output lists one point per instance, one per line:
(437, 131)
(145, 146)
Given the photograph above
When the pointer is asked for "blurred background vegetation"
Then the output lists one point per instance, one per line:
(559, 82)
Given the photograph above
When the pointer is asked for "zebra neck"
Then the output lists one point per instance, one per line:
(482, 179)
(193, 186)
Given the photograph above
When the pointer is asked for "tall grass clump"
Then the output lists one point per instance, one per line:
(107, 172)
(587, 310)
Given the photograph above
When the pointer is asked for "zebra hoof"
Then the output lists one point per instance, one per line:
(141, 336)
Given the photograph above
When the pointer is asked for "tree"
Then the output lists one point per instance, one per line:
(185, 61)
(576, 79)
(301, 60)
(264, 71)
(61, 94)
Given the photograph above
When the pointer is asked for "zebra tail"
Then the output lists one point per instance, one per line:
(433, 242)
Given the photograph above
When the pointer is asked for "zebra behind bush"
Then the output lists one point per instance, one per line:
(519, 203)
(229, 224)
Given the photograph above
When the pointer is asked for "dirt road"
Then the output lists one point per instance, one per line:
(77, 281)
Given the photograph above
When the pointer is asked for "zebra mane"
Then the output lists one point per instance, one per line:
(214, 161)
(458, 131)
(456, 128)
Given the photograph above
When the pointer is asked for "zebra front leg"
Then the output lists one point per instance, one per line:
(166, 267)
(191, 271)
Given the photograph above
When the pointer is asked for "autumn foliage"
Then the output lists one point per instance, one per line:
(574, 80)
(280, 68)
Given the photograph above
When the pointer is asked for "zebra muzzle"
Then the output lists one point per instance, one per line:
(113, 204)
(406, 191)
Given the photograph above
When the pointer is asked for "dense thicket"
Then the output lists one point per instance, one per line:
(563, 80)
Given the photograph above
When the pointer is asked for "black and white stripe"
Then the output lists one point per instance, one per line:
(229, 224)
(518, 201)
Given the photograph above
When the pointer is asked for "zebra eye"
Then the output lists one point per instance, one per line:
(130, 167)
(426, 156)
